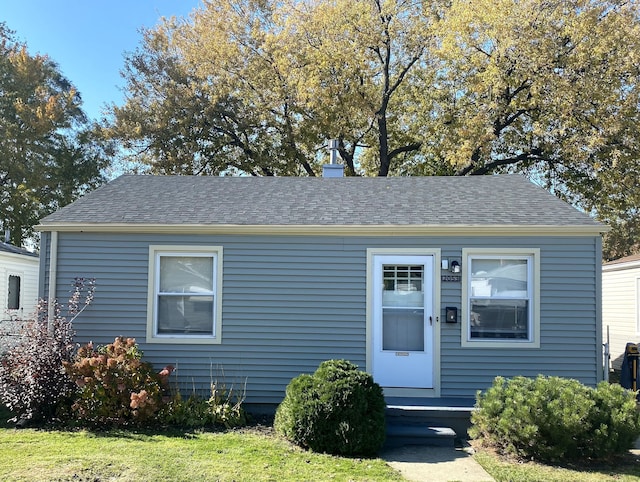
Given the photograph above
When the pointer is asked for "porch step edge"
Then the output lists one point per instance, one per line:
(418, 434)
(429, 408)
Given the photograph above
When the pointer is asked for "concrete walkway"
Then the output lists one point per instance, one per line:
(435, 464)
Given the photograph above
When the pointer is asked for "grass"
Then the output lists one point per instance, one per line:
(118, 455)
(254, 454)
(626, 468)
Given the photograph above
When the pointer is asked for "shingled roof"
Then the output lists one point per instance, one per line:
(500, 200)
(10, 248)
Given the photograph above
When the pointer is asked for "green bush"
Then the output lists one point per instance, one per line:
(337, 410)
(554, 419)
(221, 408)
(115, 387)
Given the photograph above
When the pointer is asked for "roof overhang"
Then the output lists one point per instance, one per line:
(22, 257)
(621, 266)
(331, 230)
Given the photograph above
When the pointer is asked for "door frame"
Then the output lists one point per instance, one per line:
(422, 251)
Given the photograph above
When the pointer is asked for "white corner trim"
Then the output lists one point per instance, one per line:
(53, 275)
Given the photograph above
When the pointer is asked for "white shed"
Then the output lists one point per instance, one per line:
(620, 305)
(19, 270)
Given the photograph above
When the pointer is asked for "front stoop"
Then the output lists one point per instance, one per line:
(431, 422)
(419, 434)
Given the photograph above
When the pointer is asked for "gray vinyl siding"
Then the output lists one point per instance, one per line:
(290, 302)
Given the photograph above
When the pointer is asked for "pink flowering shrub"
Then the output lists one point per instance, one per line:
(115, 387)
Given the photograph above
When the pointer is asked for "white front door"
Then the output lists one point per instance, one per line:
(403, 319)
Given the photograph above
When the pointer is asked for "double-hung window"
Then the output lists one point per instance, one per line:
(501, 298)
(184, 294)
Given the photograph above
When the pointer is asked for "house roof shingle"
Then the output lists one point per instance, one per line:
(9, 248)
(499, 200)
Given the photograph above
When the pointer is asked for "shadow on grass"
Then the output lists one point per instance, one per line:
(258, 424)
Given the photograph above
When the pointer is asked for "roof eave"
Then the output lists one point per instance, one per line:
(331, 230)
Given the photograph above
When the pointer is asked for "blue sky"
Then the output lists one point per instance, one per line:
(88, 38)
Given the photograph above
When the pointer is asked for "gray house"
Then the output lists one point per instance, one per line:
(435, 285)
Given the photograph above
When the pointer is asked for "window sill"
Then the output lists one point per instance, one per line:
(500, 343)
(184, 340)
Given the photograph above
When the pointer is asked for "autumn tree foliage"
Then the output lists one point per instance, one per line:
(546, 88)
(47, 156)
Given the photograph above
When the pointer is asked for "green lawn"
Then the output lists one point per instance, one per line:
(29, 454)
(626, 468)
(252, 454)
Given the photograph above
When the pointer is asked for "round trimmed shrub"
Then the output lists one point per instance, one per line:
(555, 419)
(337, 410)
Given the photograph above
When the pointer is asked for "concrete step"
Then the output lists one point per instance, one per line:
(400, 434)
(452, 413)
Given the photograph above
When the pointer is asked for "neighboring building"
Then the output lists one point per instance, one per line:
(18, 282)
(620, 309)
(435, 285)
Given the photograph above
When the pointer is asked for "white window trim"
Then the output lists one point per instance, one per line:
(534, 341)
(179, 250)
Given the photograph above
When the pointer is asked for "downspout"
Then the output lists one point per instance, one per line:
(53, 275)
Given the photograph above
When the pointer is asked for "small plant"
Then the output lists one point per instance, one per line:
(32, 382)
(338, 410)
(115, 387)
(555, 419)
(223, 408)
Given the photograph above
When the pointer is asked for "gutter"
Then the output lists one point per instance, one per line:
(332, 229)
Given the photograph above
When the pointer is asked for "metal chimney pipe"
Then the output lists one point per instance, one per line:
(333, 151)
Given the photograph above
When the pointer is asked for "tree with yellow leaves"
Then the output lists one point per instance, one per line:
(45, 161)
(548, 88)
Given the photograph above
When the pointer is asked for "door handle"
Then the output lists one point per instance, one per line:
(431, 320)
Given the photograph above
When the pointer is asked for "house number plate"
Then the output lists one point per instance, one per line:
(450, 277)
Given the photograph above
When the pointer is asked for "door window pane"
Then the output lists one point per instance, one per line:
(402, 329)
(403, 285)
(403, 308)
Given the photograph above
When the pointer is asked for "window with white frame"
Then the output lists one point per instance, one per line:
(13, 295)
(501, 298)
(184, 294)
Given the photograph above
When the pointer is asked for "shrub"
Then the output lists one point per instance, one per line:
(115, 387)
(337, 410)
(33, 384)
(221, 408)
(554, 419)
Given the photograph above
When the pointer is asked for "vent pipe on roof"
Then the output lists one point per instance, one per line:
(333, 169)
